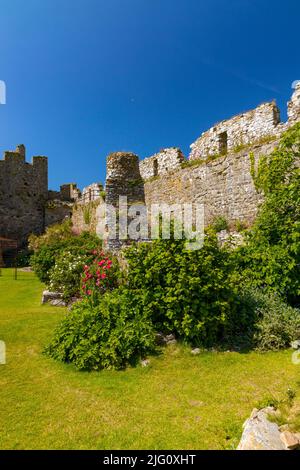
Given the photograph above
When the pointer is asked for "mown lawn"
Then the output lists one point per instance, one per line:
(178, 402)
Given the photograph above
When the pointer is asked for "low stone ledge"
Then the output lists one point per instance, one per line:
(53, 298)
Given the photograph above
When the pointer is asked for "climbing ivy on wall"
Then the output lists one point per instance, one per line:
(271, 256)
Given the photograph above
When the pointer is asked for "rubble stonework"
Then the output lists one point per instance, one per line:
(91, 193)
(85, 215)
(294, 105)
(23, 194)
(161, 163)
(123, 178)
(223, 184)
(240, 130)
(26, 205)
(247, 128)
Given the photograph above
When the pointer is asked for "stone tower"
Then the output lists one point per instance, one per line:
(124, 184)
(23, 192)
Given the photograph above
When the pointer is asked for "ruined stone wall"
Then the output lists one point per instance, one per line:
(161, 163)
(224, 186)
(85, 216)
(123, 178)
(243, 129)
(23, 192)
(91, 192)
(69, 192)
(56, 211)
(294, 105)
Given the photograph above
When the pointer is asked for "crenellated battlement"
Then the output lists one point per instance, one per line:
(217, 173)
(246, 129)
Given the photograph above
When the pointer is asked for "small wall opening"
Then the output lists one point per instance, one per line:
(155, 167)
(223, 143)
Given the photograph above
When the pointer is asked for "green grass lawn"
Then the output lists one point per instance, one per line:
(178, 402)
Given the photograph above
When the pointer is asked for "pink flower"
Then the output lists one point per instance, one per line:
(89, 292)
(103, 276)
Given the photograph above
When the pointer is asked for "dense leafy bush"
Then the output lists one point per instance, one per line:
(186, 292)
(271, 256)
(51, 246)
(53, 234)
(272, 324)
(110, 335)
(277, 324)
(89, 274)
(66, 274)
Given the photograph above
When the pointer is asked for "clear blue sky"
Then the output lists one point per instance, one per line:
(88, 77)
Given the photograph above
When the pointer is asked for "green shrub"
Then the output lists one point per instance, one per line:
(53, 234)
(271, 256)
(65, 275)
(48, 251)
(111, 335)
(87, 274)
(277, 324)
(189, 293)
(220, 223)
(272, 324)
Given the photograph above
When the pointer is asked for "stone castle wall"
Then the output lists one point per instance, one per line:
(56, 211)
(223, 185)
(23, 193)
(85, 216)
(91, 192)
(161, 163)
(26, 205)
(247, 128)
(123, 178)
(240, 130)
(217, 174)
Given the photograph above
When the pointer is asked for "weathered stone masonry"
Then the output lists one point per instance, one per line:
(26, 205)
(123, 178)
(161, 163)
(23, 194)
(224, 184)
(240, 130)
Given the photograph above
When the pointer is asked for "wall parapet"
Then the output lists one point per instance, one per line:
(166, 160)
(243, 129)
